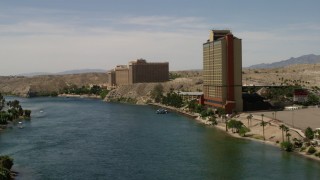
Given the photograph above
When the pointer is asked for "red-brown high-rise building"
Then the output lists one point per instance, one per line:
(222, 71)
(139, 71)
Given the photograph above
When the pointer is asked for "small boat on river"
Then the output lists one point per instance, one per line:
(20, 125)
(162, 111)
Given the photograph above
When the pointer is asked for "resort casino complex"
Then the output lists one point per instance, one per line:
(139, 71)
(222, 71)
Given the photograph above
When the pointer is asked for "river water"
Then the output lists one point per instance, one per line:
(73, 138)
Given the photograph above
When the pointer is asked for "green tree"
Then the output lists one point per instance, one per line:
(27, 113)
(157, 93)
(95, 89)
(173, 99)
(206, 112)
(20, 111)
(288, 137)
(213, 120)
(5, 174)
(104, 93)
(2, 102)
(283, 128)
(309, 133)
(243, 130)
(287, 146)
(249, 117)
(14, 113)
(4, 117)
(192, 105)
(14, 104)
(221, 111)
(6, 162)
(199, 108)
(313, 99)
(235, 125)
(263, 124)
(3, 120)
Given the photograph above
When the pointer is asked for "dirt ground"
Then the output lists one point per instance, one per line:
(300, 119)
(272, 131)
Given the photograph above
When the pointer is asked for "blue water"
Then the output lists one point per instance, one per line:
(71, 138)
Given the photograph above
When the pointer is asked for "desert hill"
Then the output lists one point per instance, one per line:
(305, 59)
(305, 74)
(47, 84)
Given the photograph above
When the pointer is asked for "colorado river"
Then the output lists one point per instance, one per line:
(73, 138)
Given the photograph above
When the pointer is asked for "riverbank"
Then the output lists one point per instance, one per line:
(272, 132)
(80, 96)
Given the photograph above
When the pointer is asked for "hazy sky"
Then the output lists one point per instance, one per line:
(58, 35)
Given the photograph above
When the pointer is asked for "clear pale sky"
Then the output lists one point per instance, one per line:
(58, 35)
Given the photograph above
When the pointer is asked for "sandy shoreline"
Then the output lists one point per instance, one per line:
(272, 132)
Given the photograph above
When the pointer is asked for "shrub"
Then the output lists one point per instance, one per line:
(287, 146)
(4, 173)
(213, 120)
(235, 125)
(206, 112)
(6, 162)
(311, 150)
(298, 143)
(317, 154)
(27, 113)
(303, 148)
(309, 133)
(307, 143)
(243, 130)
(104, 93)
(157, 93)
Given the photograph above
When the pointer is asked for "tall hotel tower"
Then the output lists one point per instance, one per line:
(222, 71)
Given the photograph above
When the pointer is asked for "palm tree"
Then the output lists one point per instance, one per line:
(226, 119)
(288, 136)
(2, 101)
(282, 127)
(286, 129)
(249, 117)
(263, 124)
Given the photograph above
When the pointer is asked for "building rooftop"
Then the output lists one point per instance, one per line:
(191, 93)
(118, 67)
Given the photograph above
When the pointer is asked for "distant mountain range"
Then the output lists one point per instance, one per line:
(77, 71)
(305, 59)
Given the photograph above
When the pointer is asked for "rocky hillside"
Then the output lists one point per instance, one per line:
(47, 84)
(140, 93)
(305, 74)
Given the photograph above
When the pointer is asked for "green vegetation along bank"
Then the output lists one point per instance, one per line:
(9, 112)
